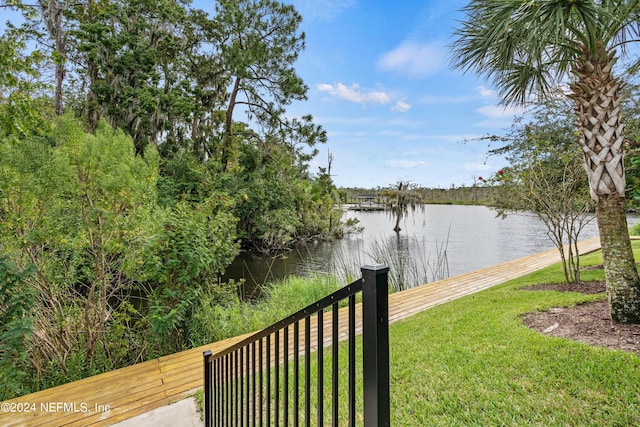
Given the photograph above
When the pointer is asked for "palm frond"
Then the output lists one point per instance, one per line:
(528, 46)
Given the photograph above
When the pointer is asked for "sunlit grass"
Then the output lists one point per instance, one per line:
(471, 362)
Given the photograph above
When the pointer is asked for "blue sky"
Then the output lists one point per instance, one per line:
(381, 85)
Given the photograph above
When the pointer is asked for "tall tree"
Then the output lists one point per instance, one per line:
(45, 21)
(23, 104)
(531, 46)
(135, 58)
(259, 42)
(52, 16)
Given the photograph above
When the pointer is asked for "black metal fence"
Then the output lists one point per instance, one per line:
(259, 381)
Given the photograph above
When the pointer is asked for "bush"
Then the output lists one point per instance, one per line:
(84, 210)
(16, 325)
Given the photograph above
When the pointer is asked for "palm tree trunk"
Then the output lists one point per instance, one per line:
(623, 286)
(597, 97)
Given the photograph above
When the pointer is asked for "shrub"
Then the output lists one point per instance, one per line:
(16, 325)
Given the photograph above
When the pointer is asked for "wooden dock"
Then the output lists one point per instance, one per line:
(137, 389)
(366, 206)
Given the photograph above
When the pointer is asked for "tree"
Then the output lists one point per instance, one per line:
(401, 198)
(259, 43)
(52, 15)
(530, 47)
(173, 76)
(274, 197)
(49, 14)
(83, 210)
(77, 207)
(23, 105)
(132, 53)
(328, 190)
(545, 177)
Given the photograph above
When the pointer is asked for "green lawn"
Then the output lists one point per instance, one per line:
(472, 362)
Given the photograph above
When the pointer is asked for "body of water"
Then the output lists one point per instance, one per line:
(441, 240)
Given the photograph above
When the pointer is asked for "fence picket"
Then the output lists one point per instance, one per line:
(238, 380)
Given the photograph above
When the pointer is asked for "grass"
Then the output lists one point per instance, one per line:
(198, 395)
(217, 317)
(471, 362)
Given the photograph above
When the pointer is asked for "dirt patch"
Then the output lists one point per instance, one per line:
(589, 323)
(584, 287)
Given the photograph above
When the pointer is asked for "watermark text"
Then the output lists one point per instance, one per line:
(54, 407)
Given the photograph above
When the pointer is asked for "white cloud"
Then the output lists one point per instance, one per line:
(401, 106)
(485, 92)
(355, 94)
(414, 59)
(390, 133)
(406, 164)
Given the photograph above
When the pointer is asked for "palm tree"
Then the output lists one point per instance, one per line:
(528, 47)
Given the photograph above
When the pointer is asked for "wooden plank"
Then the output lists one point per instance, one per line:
(63, 404)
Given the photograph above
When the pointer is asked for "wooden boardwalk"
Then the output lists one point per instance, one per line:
(137, 389)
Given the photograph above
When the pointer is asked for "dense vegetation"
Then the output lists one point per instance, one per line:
(142, 145)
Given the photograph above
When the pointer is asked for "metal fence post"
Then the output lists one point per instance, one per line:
(208, 388)
(375, 345)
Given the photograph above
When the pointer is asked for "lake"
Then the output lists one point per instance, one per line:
(437, 242)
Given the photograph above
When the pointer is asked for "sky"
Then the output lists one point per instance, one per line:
(381, 85)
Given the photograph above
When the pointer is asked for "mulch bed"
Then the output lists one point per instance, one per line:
(589, 323)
